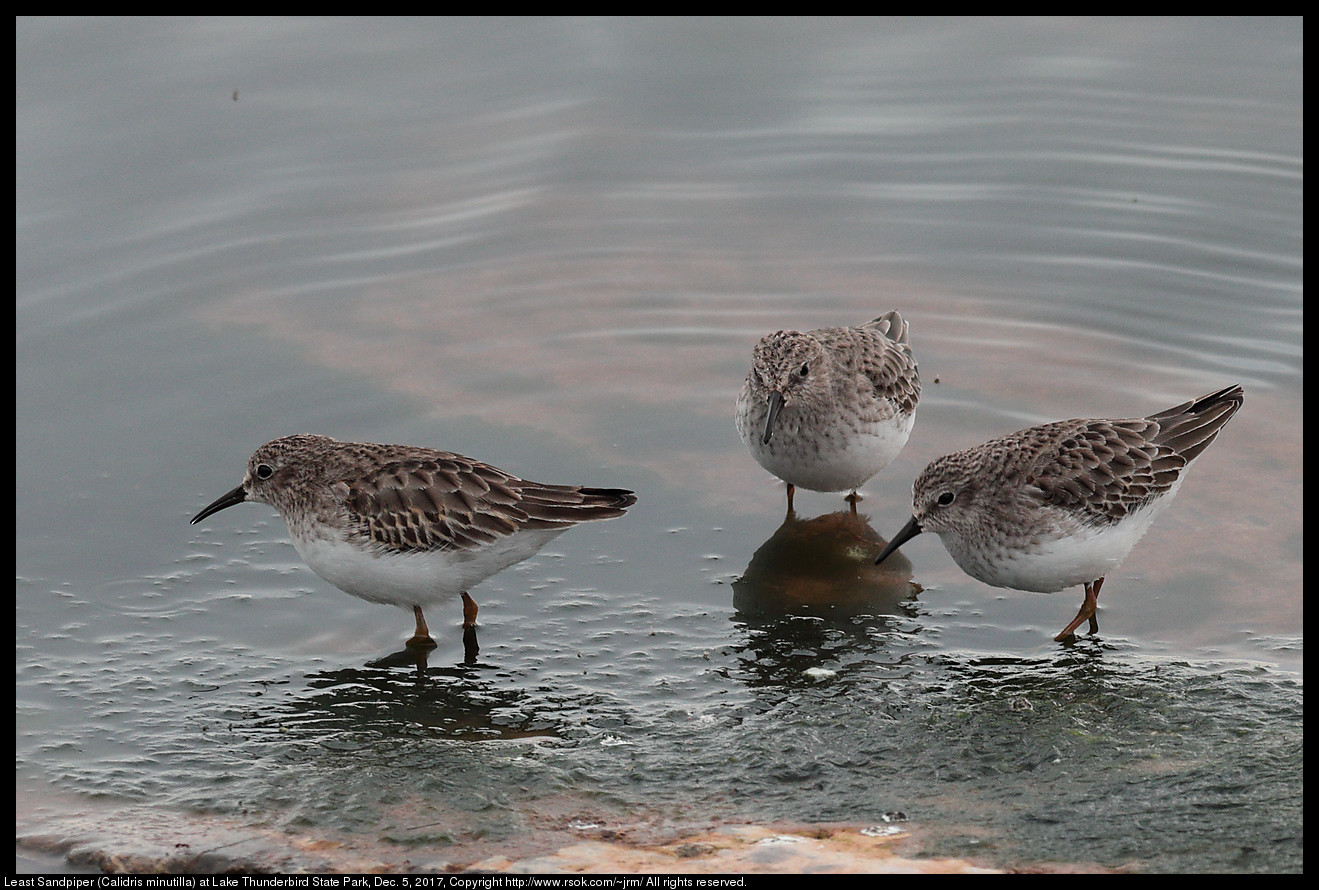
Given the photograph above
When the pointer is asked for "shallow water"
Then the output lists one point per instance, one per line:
(551, 244)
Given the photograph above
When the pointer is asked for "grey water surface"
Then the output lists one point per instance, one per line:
(551, 244)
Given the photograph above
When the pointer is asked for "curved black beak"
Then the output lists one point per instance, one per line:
(237, 496)
(909, 531)
(775, 405)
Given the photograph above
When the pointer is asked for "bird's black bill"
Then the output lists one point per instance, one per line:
(775, 405)
(909, 531)
(237, 496)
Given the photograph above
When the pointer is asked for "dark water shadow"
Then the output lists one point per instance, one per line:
(449, 701)
(812, 600)
(824, 567)
(418, 657)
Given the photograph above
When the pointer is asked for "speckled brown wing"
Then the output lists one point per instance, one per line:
(1190, 427)
(892, 369)
(439, 501)
(1109, 468)
(1103, 469)
(553, 505)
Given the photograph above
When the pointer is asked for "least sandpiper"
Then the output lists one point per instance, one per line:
(409, 526)
(830, 408)
(1062, 504)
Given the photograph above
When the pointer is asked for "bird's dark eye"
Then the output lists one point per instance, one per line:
(945, 499)
(804, 369)
(264, 471)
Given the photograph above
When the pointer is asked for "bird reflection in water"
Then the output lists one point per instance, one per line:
(824, 566)
(412, 655)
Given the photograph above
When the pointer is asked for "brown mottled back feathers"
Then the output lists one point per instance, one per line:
(410, 499)
(1108, 468)
(889, 366)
